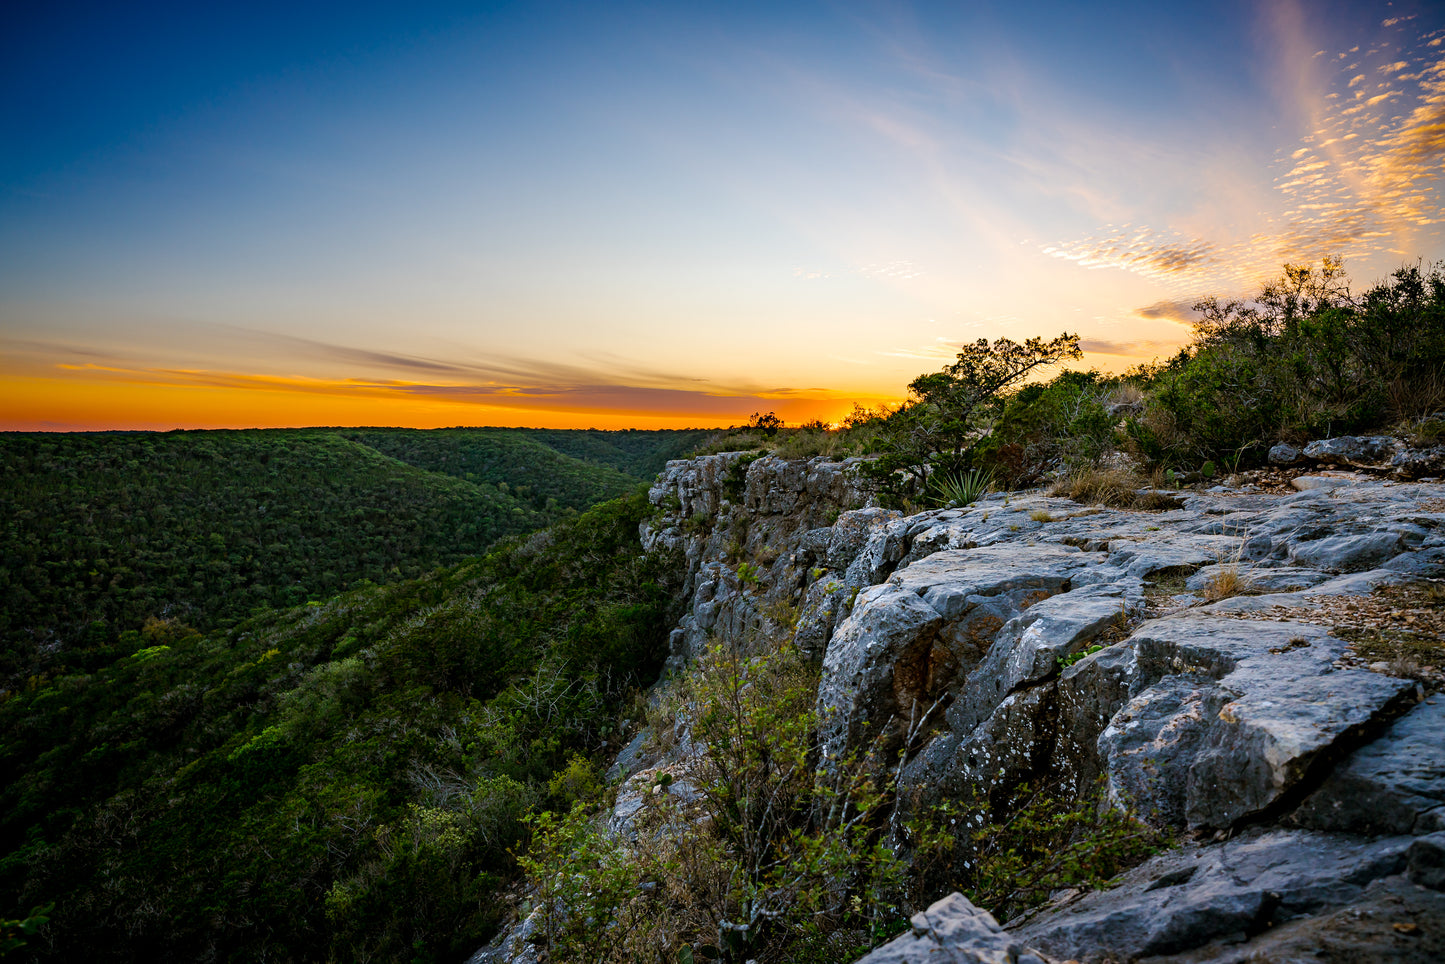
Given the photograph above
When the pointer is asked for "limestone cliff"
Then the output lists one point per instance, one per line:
(1210, 662)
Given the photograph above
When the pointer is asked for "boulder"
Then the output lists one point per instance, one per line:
(1347, 448)
(1032, 646)
(954, 930)
(1348, 553)
(880, 663)
(1419, 463)
(850, 533)
(1015, 742)
(1315, 483)
(1228, 716)
(1283, 454)
(1392, 920)
(1426, 861)
(823, 604)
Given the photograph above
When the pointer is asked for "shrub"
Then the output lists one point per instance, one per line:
(778, 859)
(1063, 423)
(1306, 358)
(944, 419)
(1014, 852)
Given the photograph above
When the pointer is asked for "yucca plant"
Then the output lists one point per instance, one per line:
(956, 489)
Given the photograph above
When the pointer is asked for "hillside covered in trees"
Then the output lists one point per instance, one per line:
(343, 780)
(104, 531)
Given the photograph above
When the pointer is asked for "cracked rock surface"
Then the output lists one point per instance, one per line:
(1210, 663)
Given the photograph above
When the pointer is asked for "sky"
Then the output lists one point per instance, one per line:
(670, 214)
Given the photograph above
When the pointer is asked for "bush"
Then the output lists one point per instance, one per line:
(1012, 854)
(1305, 359)
(1062, 424)
(779, 859)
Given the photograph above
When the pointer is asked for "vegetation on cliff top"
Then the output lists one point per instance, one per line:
(1306, 358)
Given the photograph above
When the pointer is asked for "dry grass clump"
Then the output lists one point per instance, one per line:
(1041, 515)
(1116, 487)
(1229, 577)
(1227, 581)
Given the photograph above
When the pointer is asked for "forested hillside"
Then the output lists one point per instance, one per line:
(338, 781)
(635, 453)
(103, 531)
(519, 465)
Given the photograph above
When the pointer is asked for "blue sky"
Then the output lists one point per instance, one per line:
(671, 213)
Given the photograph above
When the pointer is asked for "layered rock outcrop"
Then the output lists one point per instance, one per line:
(1208, 662)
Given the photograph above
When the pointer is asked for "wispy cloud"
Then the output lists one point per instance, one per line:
(899, 270)
(1366, 179)
(1181, 312)
(1140, 250)
(1128, 349)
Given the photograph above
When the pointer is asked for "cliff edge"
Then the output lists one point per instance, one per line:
(1250, 672)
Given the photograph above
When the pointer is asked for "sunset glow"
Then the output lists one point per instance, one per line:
(615, 215)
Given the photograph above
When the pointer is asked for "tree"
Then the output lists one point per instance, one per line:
(767, 424)
(938, 427)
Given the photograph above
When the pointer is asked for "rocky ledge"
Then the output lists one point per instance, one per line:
(1251, 672)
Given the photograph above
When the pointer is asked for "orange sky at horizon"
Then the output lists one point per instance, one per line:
(60, 404)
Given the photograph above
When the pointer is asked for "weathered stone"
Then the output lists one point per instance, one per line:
(880, 663)
(1170, 552)
(956, 931)
(880, 555)
(1150, 744)
(1227, 716)
(947, 579)
(1348, 553)
(1014, 743)
(519, 943)
(1264, 740)
(1426, 861)
(1429, 563)
(815, 541)
(1387, 786)
(1283, 454)
(1031, 646)
(850, 533)
(1419, 463)
(1392, 920)
(1188, 897)
(630, 759)
(1090, 692)
(1315, 483)
(822, 604)
(1347, 448)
